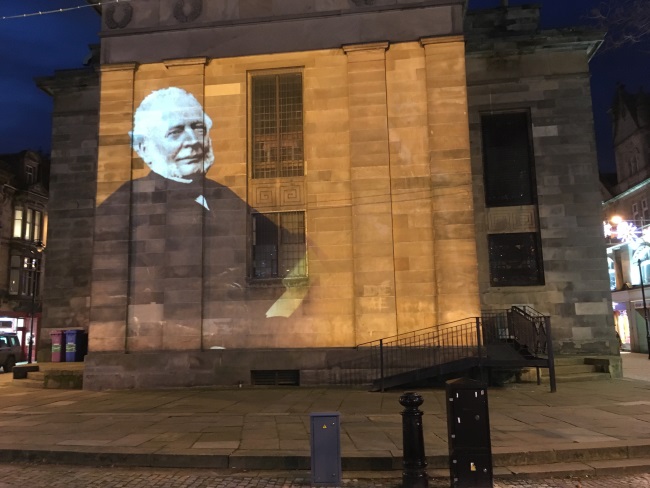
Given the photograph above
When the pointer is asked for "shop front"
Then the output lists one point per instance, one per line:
(628, 258)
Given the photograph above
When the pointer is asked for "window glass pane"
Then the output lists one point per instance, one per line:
(14, 281)
(611, 267)
(276, 125)
(265, 246)
(507, 159)
(290, 101)
(645, 272)
(279, 248)
(292, 244)
(18, 223)
(29, 219)
(38, 218)
(30, 174)
(264, 126)
(515, 259)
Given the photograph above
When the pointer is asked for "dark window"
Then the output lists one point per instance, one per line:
(279, 249)
(508, 160)
(515, 259)
(30, 174)
(24, 275)
(276, 128)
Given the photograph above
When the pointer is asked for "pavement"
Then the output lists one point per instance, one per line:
(595, 428)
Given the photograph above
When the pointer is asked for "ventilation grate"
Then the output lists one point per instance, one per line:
(275, 377)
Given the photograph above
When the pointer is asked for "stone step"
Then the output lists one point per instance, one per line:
(596, 467)
(606, 467)
(562, 378)
(27, 383)
(530, 375)
(571, 369)
(569, 360)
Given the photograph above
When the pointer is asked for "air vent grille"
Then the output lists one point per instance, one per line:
(275, 377)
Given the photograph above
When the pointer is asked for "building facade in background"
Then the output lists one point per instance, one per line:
(627, 217)
(276, 184)
(23, 227)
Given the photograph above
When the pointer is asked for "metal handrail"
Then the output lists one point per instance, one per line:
(526, 329)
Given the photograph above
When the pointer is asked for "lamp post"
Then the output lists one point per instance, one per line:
(35, 264)
(31, 320)
(645, 308)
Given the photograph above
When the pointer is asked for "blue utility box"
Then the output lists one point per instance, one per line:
(325, 449)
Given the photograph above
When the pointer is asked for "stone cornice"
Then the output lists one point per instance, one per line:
(107, 68)
(426, 41)
(169, 63)
(370, 46)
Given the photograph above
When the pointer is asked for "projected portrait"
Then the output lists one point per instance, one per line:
(171, 135)
(191, 238)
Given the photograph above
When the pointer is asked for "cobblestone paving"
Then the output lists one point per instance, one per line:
(48, 476)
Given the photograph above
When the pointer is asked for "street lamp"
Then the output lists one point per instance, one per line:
(40, 247)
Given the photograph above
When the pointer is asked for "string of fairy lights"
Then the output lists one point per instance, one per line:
(61, 10)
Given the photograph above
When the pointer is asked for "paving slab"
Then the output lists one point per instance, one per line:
(532, 430)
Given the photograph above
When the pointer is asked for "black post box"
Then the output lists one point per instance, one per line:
(468, 430)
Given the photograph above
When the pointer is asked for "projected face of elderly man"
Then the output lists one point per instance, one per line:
(171, 133)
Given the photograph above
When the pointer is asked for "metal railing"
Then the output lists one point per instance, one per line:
(426, 347)
(522, 328)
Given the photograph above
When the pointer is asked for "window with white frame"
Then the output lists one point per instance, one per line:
(28, 224)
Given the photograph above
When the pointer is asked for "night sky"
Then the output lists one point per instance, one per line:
(37, 46)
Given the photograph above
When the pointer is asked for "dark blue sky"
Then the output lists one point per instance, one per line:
(37, 46)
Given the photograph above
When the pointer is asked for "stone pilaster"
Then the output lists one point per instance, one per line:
(372, 232)
(71, 208)
(110, 268)
(166, 266)
(455, 254)
(411, 187)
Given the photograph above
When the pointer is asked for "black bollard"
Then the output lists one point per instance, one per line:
(414, 473)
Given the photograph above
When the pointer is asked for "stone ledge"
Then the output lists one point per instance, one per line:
(20, 371)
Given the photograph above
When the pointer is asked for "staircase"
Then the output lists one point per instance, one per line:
(67, 376)
(567, 369)
(33, 379)
(515, 339)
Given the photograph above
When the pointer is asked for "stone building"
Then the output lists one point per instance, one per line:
(534, 86)
(356, 195)
(23, 226)
(73, 177)
(627, 217)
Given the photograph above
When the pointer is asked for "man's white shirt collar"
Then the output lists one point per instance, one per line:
(202, 201)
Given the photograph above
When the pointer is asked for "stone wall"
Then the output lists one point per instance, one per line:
(384, 202)
(154, 30)
(551, 82)
(66, 296)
